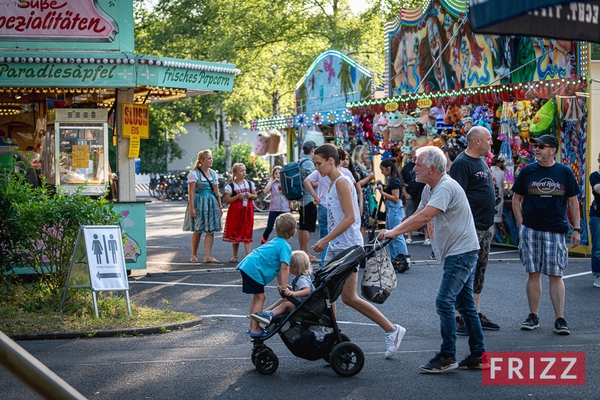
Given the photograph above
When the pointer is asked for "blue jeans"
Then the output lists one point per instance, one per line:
(322, 219)
(595, 231)
(394, 214)
(456, 292)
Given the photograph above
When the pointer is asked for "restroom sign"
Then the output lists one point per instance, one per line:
(98, 262)
(105, 258)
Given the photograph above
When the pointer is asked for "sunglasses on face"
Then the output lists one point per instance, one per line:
(540, 146)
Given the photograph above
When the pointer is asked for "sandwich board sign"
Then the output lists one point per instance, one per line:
(98, 262)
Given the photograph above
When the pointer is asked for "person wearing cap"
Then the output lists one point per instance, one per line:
(472, 173)
(542, 192)
(595, 224)
(308, 210)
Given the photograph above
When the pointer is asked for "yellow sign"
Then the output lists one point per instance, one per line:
(81, 156)
(389, 107)
(135, 120)
(424, 103)
(134, 146)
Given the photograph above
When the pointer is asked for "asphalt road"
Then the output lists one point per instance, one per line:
(212, 360)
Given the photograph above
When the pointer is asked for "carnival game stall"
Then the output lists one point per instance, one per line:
(442, 79)
(320, 112)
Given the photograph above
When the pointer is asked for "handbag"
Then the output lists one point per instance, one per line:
(379, 277)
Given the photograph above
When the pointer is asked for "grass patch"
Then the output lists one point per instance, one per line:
(35, 309)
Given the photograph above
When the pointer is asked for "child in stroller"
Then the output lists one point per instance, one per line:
(301, 288)
(310, 329)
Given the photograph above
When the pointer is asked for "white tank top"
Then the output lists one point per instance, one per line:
(335, 215)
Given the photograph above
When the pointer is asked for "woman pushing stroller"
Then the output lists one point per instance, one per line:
(344, 232)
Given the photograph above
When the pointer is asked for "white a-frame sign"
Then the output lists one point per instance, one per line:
(98, 262)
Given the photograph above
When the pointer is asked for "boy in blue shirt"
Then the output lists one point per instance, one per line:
(264, 263)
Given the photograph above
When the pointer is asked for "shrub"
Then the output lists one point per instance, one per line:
(39, 227)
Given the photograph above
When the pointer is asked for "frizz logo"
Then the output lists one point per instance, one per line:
(534, 369)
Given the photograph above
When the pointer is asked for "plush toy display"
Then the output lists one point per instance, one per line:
(368, 128)
(523, 158)
(396, 125)
(544, 121)
(453, 116)
(382, 127)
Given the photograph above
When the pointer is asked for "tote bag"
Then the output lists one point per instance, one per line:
(379, 277)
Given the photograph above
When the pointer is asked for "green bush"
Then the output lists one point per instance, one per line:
(240, 153)
(39, 228)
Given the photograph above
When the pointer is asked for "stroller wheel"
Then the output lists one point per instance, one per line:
(257, 350)
(345, 338)
(347, 359)
(266, 362)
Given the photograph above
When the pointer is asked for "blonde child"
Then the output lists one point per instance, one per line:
(266, 262)
(240, 214)
(301, 288)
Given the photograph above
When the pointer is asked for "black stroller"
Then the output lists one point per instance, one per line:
(310, 331)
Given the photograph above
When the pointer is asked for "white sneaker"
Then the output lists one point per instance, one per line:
(597, 282)
(393, 340)
(427, 242)
(408, 241)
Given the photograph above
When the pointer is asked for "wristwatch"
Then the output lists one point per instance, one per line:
(580, 230)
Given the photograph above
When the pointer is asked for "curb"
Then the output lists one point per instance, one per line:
(110, 333)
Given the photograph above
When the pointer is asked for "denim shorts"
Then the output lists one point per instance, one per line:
(544, 252)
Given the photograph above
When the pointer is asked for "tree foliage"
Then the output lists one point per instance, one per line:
(272, 42)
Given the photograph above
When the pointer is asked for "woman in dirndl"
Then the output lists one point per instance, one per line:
(204, 210)
(239, 224)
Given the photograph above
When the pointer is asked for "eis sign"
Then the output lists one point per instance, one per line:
(135, 120)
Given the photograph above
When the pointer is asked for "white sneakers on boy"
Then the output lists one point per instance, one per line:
(393, 340)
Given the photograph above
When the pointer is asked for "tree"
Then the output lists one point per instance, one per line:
(273, 43)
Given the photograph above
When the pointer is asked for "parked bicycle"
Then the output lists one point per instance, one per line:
(169, 186)
(263, 201)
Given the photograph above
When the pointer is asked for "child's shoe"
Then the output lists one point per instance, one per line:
(263, 318)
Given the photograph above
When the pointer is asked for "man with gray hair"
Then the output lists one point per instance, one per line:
(472, 173)
(455, 243)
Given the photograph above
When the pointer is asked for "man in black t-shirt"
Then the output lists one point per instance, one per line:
(471, 171)
(542, 192)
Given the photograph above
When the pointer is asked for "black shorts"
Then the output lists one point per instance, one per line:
(250, 286)
(308, 217)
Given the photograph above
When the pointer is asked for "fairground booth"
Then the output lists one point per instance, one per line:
(72, 88)
(442, 79)
(320, 112)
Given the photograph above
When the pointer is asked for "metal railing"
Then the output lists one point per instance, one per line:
(33, 373)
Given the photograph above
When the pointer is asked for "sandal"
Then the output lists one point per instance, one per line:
(211, 260)
(194, 259)
(233, 260)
